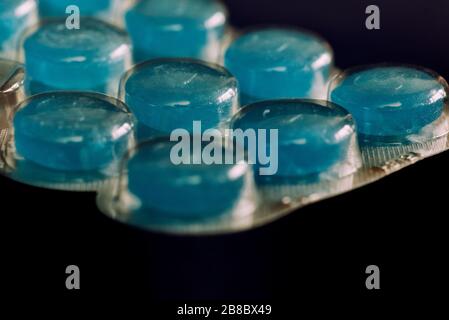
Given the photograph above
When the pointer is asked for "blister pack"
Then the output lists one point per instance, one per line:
(209, 130)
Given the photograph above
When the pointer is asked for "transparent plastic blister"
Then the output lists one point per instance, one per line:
(90, 58)
(406, 112)
(155, 194)
(174, 93)
(276, 197)
(277, 62)
(58, 141)
(177, 28)
(271, 197)
(316, 146)
(375, 123)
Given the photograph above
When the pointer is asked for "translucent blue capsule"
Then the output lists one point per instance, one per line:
(91, 58)
(176, 28)
(162, 188)
(392, 102)
(280, 63)
(72, 131)
(15, 17)
(169, 94)
(315, 139)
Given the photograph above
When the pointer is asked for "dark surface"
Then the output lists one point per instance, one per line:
(397, 223)
(319, 251)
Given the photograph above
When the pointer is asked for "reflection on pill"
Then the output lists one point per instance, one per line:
(316, 139)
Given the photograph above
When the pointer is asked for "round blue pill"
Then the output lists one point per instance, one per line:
(169, 94)
(389, 100)
(186, 190)
(279, 63)
(314, 137)
(176, 28)
(183, 190)
(72, 131)
(91, 58)
(57, 8)
(15, 17)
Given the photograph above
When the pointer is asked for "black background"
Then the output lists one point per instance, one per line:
(317, 252)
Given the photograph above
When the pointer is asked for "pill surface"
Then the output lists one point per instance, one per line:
(279, 63)
(314, 137)
(176, 28)
(184, 190)
(389, 100)
(169, 94)
(15, 17)
(91, 59)
(72, 131)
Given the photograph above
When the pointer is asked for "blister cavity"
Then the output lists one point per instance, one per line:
(177, 28)
(398, 109)
(170, 94)
(274, 63)
(319, 156)
(67, 140)
(91, 58)
(156, 192)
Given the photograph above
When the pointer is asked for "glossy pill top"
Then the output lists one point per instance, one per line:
(76, 117)
(393, 87)
(279, 49)
(208, 12)
(180, 83)
(95, 40)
